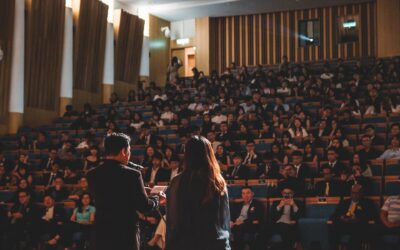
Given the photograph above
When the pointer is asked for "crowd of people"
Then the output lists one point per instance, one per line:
(289, 124)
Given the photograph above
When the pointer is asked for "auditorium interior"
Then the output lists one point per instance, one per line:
(300, 100)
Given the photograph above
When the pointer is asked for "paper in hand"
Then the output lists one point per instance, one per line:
(158, 189)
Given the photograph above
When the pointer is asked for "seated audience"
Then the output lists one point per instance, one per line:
(247, 221)
(285, 214)
(352, 217)
(57, 190)
(79, 190)
(238, 171)
(329, 186)
(337, 167)
(302, 171)
(290, 180)
(393, 152)
(390, 216)
(81, 220)
(50, 177)
(52, 222)
(157, 173)
(23, 218)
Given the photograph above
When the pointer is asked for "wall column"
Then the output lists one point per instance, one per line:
(16, 105)
(108, 78)
(67, 76)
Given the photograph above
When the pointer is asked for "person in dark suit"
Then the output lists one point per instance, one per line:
(145, 137)
(23, 217)
(290, 180)
(337, 167)
(50, 177)
(285, 214)
(352, 217)
(46, 163)
(302, 171)
(329, 186)
(356, 177)
(118, 192)
(58, 191)
(157, 173)
(375, 140)
(367, 153)
(251, 157)
(52, 221)
(198, 215)
(247, 220)
(238, 171)
(224, 133)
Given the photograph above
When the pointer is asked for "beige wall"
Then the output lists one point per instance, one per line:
(388, 26)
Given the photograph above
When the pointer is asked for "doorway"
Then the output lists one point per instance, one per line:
(187, 56)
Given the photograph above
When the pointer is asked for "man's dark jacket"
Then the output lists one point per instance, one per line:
(118, 193)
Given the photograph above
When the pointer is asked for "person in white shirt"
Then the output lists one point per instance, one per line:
(393, 152)
(160, 95)
(196, 105)
(168, 116)
(219, 117)
(136, 121)
(327, 75)
(284, 90)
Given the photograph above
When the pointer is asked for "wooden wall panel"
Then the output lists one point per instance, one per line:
(159, 50)
(128, 49)
(203, 42)
(265, 38)
(7, 11)
(388, 25)
(44, 41)
(90, 29)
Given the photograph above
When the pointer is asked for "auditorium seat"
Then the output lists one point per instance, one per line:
(392, 167)
(313, 227)
(235, 187)
(392, 185)
(377, 167)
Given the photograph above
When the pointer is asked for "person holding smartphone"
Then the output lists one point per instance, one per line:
(285, 214)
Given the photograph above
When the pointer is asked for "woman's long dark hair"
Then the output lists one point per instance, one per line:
(80, 205)
(201, 177)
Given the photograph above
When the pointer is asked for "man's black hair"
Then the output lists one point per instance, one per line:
(114, 143)
(247, 187)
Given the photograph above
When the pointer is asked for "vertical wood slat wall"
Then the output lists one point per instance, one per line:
(128, 49)
(265, 38)
(43, 52)
(7, 11)
(90, 29)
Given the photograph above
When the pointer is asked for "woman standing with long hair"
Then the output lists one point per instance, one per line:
(197, 202)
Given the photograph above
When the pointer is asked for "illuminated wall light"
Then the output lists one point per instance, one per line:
(349, 24)
(182, 41)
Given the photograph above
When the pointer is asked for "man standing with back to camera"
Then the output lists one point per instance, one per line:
(118, 192)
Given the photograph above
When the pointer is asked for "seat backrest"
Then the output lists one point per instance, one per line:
(320, 208)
